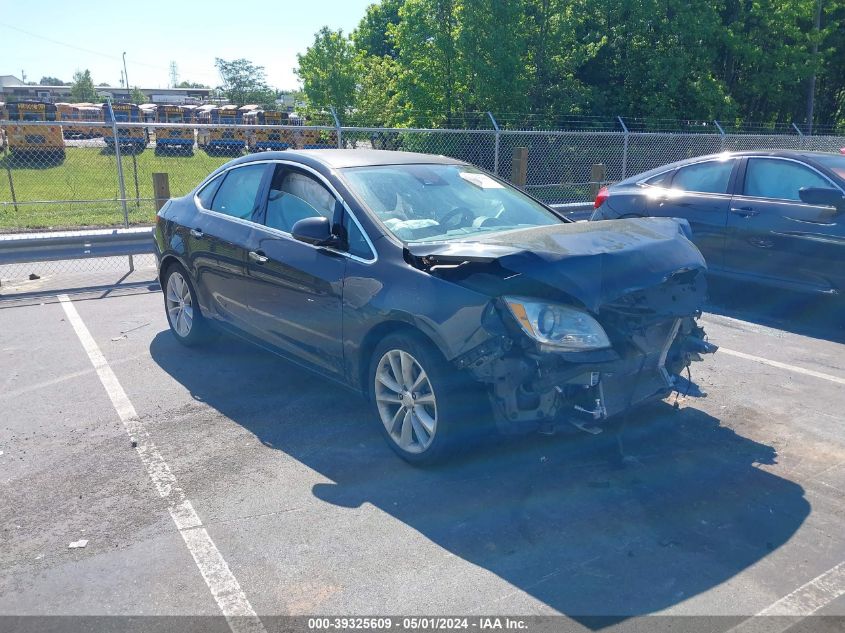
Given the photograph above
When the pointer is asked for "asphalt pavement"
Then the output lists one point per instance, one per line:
(730, 503)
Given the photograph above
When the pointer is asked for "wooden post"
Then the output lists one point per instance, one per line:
(519, 166)
(598, 174)
(161, 189)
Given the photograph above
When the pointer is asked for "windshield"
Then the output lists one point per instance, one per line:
(443, 202)
(834, 163)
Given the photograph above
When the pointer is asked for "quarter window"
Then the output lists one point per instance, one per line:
(779, 179)
(206, 194)
(661, 180)
(357, 243)
(236, 196)
(709, 177)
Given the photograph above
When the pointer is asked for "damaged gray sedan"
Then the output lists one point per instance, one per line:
(450, 299)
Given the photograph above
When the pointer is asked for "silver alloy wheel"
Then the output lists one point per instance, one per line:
(406, 402)
(180, 308)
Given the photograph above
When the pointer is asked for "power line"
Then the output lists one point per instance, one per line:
(87, 50)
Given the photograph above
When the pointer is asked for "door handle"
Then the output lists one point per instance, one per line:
(744, 212)
(258, 257)
(197, 234)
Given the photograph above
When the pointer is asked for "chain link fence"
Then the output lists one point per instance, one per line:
(65, 175)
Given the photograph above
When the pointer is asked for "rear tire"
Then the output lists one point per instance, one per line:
(186, 321)
(427, 410)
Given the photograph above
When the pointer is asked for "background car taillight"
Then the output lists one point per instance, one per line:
(602, 195)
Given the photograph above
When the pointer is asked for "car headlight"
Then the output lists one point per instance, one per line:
(562, 327)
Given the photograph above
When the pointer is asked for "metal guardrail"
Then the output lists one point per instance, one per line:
(63, 245)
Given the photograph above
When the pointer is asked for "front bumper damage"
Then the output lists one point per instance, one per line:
(642, 279)
(655, 336)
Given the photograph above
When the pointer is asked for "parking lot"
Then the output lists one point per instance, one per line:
(255, 488)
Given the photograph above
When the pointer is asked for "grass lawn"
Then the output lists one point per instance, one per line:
(83, 190)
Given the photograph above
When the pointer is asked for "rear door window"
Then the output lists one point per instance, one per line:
(709, 177)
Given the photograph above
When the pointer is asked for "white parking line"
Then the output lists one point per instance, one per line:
(811, 596)
(779, 365)
(808, 599)
(228, 594)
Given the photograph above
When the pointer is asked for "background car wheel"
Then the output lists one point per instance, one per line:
(427, 410)
(180, 304)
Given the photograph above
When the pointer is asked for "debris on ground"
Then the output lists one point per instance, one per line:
(33, 276)
(132, 329)
(78, 544)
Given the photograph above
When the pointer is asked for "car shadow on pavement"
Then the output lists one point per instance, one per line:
(816, 316)
(561, 519)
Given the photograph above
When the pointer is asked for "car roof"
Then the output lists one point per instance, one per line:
(340, 158)
(796, 154)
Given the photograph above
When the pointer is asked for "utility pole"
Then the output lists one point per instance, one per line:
(811, 88)
(122, 80)
(174, 75)
(23, 76)
(126, 75)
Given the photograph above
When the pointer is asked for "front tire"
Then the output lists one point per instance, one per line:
(181, 307)
(427, 410)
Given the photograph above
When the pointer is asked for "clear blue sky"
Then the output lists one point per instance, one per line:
(155, 32)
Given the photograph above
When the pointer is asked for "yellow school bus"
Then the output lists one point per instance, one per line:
(269, 138)
(86, 118)
(219, 138)
(309, 138)
(134, 138)
(179, 139)
(35, 142)
(92, 115)
(148, 112)
(250, 107)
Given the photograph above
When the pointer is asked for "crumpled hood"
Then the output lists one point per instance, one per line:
(594, 262)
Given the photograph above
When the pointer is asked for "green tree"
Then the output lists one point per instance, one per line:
(244, 82)
(725, 59)
(430, 77)
(82, 89)
(329, 70)
(51, 81)
(767, 57)
(190, 84)
(372, 36)
(377, 100)
(491, 42)
(136, 96)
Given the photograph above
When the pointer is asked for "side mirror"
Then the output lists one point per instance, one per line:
(823, 197)
(314, 230)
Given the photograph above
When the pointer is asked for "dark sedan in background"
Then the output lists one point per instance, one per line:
(773, 217)
(446, 296)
